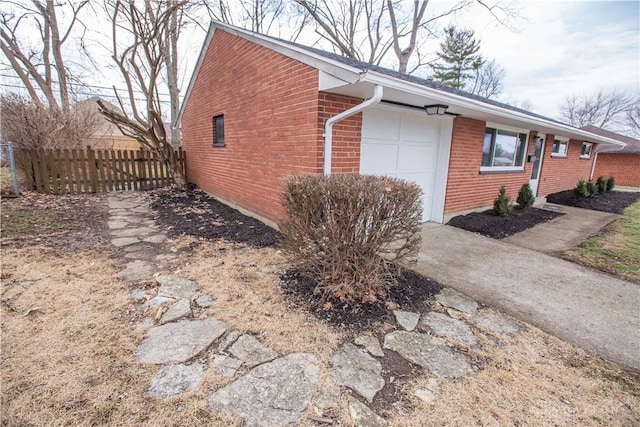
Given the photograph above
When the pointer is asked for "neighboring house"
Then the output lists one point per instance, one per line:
(623, 163)
(259, 109)
(107, 136)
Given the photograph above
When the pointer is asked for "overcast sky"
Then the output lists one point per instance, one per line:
(558, 49)
(564, 48)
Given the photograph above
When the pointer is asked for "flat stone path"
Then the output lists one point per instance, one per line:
(267, 388)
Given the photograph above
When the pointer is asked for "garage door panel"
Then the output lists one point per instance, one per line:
(419, 129)
(417, 157)
(377, 157)
(381, 125)
(424, 180)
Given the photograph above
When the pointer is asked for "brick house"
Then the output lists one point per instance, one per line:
(259, 109)
(623, 163)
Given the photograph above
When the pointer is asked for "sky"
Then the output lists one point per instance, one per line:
(556, 49)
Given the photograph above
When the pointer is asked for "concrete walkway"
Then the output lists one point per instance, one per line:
(584, 307)
(563, 233)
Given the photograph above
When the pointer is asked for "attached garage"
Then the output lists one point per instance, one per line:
(406, 143)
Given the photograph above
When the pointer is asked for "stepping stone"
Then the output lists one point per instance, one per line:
(124, 241)
(156, 238)
(136, 271)
(354, 368)
(429, 352)
(494, 321)
(139, 295)
(177, 310)
(274, 394)
(145, 322)
(251, 351)
(406, 319)
(228, 340)
(371, 343)
(176, 287)
(176, 379)
(454, 299)
(429, 392)
(445, 326)
(362, 416)
(131, 232)
(226, 366)
(205, 301)
(157, 302)
(329, 395)
(178, 342)
(114, 225)
(165, 257)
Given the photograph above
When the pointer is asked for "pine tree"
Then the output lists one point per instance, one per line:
(459, 60)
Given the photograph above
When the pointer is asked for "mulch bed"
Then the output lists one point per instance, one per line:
(611, 201)
(193, 212)
(410, 294)
(489, 224)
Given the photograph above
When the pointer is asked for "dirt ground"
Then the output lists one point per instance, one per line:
(69, 336)
(489, 224)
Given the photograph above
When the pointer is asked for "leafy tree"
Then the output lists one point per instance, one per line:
(459, 60)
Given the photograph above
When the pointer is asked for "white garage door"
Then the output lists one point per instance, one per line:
(408, 144)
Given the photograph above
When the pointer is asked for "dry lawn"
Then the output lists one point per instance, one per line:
(69, 336)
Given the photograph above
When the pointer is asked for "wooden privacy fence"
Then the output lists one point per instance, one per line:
(91, 171)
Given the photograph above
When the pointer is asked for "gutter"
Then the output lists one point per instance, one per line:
(328, 127)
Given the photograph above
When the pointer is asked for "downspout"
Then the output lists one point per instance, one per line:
(328, 127)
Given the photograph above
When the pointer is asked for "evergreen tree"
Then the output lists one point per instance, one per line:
(459, 60)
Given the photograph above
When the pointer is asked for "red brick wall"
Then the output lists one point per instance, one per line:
(347, 135)
(563, 173)
(625, 168)
(270, 106)
(467, 188)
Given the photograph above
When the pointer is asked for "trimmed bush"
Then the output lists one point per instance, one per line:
(502, 203)
(350, 232)
(611, 183)
(525, 196)
(582, 190)
(592, 188)
(601, 184)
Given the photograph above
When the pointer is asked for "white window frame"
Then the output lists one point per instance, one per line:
(586, 156)
(562, 140)
(524, 153)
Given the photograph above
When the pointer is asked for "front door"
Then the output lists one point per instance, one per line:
(537, 163)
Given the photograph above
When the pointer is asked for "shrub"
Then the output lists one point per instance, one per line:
(582, 190)
(502, 203)
(601, 184)
(611, 183)
(525, 196)
(351, 232)
(592, 188)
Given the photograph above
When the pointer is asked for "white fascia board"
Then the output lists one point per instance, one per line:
(452, 99)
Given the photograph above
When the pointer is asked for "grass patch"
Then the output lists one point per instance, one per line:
(20, 220)
(616, 249)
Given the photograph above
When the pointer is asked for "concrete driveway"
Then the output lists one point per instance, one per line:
(584, 307)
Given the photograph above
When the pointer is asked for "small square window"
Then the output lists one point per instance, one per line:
(560, 147)
(586, 150)
(218, 131)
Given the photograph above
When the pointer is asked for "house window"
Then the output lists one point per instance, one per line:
(560, 147)
(218, 131)
(503, 149)
(586, 150)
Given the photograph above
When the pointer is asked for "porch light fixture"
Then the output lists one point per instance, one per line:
(436, 109)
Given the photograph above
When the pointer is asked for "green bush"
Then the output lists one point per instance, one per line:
(601, 183)
(592, 188)
(582, 190)
(525, 196)
(611, 183)
(502, 203)
(350, 232)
